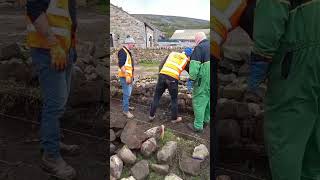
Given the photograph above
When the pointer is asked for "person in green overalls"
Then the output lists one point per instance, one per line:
(287, 50)
(199, 72)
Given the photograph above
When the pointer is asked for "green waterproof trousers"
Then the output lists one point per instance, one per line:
(201, 92)
(291, 36)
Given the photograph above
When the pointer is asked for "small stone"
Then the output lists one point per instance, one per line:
(129, 178)
(189, 165)
(112, 135)
(161, 169)
(200, 152)
(116, 166)
(155, 132)
(112, 148)
(148, 147)
(172, 177)
(126, 155)
(140, 170)
(167, 152)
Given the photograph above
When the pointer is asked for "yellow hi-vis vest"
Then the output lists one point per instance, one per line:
(174, 65)
(225, 17)
(60, 24)
(127, 66)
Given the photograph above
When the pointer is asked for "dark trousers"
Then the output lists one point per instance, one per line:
(166, 82)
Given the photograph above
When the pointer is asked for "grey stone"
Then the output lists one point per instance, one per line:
(228, 131)
(10, 51)
(112, 148)
(200, 152)
(132, 136)
(126, 155)
(148, 147)
(112, 135)
(140, 170)
(160, 169)
(189, 165)
(129, 178)
(172, 177)
(116, 166)
(118, 123)
(167, 152)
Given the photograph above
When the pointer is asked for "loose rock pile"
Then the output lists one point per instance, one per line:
(128, 141)
(143, 92)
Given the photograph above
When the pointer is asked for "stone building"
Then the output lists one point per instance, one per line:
(123, 24)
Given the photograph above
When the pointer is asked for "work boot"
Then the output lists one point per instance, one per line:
(205, 125)
(128, 115)
(70, 149)
(58, 167)
(131, 108)
(191, 127)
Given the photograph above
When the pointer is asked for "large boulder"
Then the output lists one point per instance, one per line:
(133, 136)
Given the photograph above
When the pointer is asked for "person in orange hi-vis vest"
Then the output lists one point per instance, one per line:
(170, 70)
(51, 36)
(125, 74)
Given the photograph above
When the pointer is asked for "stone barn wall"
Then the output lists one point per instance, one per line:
(150, 54)
(123, 24)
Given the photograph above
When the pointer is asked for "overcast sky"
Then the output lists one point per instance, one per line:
(199, 9)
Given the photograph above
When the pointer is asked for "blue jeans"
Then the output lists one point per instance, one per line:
(258, 73)
(126, 93)
(55, 88)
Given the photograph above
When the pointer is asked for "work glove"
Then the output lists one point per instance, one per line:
(58, 57)
(128, 79)
(189, 84)
(259, 67)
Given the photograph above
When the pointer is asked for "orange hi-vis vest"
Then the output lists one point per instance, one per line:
(225, 17)
(60, 24)
(174, 65)
(127, 66)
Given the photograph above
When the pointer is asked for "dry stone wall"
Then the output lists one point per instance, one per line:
(150, 54)
(239, 119)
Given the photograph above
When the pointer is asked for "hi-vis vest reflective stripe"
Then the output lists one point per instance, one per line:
(60, 24)
(225, 16)
(127, 66)
(174, 65)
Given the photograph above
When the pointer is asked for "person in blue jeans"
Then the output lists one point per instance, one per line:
(51, 29)
(125, 73)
